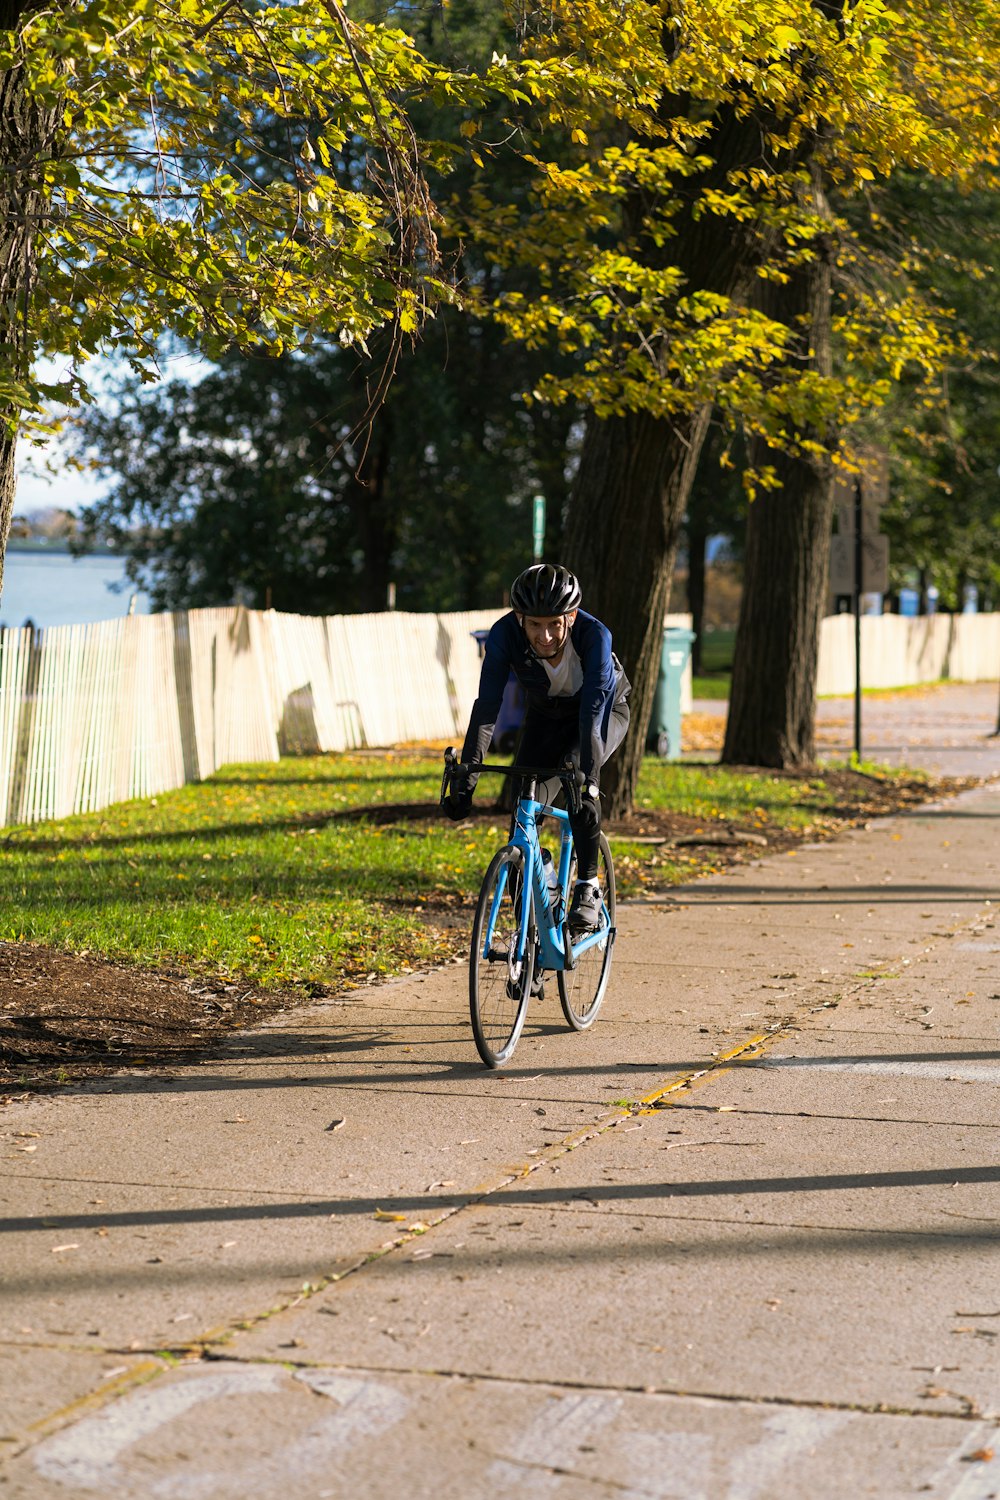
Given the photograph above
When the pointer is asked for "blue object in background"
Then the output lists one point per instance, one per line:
(511, 715)
(664, 737)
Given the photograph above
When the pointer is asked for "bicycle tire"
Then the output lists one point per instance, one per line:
(499, 990)
(582, 990)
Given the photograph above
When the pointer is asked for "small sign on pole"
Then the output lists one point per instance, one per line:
(874, 562)
(538, 527)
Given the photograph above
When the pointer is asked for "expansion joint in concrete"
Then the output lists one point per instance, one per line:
(965, 1408)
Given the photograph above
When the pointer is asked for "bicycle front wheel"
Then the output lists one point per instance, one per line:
(500, 984)
(582, 989)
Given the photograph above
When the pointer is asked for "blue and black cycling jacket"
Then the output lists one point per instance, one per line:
(604, 685)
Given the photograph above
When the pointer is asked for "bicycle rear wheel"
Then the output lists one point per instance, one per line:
(581, 990)
(499, 985)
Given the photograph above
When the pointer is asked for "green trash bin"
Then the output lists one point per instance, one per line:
(664, 737)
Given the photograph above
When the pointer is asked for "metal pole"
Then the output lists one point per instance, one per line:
(858, 556)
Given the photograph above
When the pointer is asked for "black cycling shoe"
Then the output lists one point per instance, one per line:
(585, 910)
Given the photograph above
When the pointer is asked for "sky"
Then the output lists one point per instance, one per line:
(66, 487)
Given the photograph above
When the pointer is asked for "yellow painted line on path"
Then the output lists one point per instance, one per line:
(754, 1046)
(214, 1339)
(116, 1385)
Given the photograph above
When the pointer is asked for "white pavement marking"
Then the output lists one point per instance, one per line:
(670, 1466)
(944, 1072)
(551, 1441)
(87, 1455)
(787, 1436)
(980, 1480)
(365, 1407)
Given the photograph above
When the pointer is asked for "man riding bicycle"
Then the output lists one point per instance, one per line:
(576, 708)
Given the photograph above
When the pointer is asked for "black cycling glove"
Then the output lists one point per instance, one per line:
(458, 803)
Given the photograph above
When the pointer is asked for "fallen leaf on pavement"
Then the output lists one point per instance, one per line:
(385, 1216)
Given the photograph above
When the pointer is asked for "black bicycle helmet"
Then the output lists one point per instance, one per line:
(543, 590)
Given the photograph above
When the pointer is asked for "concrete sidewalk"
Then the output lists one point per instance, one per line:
(740, 1240)
(944, 728)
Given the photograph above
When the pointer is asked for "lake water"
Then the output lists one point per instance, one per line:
(52, 588)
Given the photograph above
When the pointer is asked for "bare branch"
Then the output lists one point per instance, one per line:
(203, 30)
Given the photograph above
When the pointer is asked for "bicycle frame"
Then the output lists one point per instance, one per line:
(554, 951)
(521, 929)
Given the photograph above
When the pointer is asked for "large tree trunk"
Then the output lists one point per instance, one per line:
(772, 706)
(697, 546)
(27, 134)
(635, 475)
(8, 480)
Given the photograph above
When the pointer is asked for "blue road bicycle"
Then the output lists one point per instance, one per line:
(520, 931)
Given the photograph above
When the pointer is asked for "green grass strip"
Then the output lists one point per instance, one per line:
(280, 875)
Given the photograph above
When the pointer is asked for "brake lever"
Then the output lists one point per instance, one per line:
(450, 762)
(573, 779)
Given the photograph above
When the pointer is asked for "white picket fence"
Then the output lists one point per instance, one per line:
(898, 651)
(96, 714)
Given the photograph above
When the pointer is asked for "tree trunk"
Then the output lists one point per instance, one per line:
(635, 475)
(923, 590)
(772, 706)
(8, 481)
(27, 136)
(697, 547)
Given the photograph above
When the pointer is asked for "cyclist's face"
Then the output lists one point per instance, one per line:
(547, 635)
